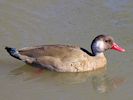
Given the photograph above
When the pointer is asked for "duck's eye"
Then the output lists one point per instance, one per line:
(106, 41)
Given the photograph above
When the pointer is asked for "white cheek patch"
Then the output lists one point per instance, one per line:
(99, 46)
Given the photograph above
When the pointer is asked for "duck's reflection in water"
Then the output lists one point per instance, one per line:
(104, 83)
(100, 80)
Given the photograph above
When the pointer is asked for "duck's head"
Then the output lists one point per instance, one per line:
(104, 42)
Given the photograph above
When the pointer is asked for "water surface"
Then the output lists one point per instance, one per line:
(77, 22)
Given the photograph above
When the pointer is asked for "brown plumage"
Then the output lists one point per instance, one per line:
(66, 58)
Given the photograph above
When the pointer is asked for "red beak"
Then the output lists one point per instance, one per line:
(118, 48)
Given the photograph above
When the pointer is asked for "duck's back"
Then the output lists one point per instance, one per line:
(59, 51)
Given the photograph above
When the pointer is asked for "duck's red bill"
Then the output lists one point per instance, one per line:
(118, 48)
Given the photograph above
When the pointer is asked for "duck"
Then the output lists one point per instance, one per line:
(67, 58)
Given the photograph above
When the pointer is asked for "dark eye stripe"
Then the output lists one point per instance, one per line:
(106, 41)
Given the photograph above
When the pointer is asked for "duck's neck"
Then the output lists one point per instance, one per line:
(94, 53)
(97, 53)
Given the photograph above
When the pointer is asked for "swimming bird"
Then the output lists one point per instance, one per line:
(67, 58)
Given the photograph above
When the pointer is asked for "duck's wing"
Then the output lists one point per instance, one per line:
(48, 50)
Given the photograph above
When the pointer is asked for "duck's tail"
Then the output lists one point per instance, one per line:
(13, 52)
